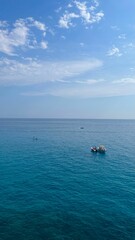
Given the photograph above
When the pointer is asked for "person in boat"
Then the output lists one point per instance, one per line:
(94, 149)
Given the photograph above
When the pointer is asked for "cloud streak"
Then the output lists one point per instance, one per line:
(63, 78)
(96, 89)
(29, 71)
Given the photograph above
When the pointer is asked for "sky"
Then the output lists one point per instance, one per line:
(67, 59)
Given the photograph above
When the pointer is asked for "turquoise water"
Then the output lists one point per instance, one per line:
(55, 188)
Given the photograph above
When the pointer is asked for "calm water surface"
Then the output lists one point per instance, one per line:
(55, 188)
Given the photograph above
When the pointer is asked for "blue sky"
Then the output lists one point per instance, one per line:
(67, 59)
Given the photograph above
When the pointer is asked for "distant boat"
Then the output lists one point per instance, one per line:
(35, 138)
(94, 149)
(100, 149)
(81, 127)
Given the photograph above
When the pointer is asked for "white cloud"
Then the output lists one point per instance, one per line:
(70, 5)
(9, 40)
(125, 81)
(19, 35)
(96, 3)
(30, 71)
(3, 24)
(114, 52)
(122, 36)
(88, 14)
(90, 81)
(116, 28)
(82, 44)
(52, 31)
(65, 20)
(97, 89)
(5, 45)
(131, 45)
(44, 45)
(97, 17)
(88, 88)
(38, 25)
(58, 9)
(81, 10)
(63, 37)
(85, 14)
(64, 78)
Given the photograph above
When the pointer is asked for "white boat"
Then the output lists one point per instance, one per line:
(100, 149)
(94, 149)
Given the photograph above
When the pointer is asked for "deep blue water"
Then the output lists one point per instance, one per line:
(56, 189)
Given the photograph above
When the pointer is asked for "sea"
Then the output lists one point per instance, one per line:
(52, 187)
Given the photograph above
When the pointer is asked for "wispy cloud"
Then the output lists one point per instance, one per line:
(122, 36)
(19, 35)
(3, 24)
(88, 14)
(82, 44)
(39, 25)
(30, 71)
(114, 51)
(97, 89)
(114, 27)
(125, 81)
(90, 81)
(131, 45)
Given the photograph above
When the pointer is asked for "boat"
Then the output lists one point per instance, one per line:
(100, 149)
(94, 149)
(35, 138)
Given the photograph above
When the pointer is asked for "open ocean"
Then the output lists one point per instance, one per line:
(55, 188)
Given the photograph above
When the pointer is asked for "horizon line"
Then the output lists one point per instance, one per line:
(62, 118)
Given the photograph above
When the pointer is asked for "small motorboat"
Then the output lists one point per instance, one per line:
(100, 149)
(94, 149)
